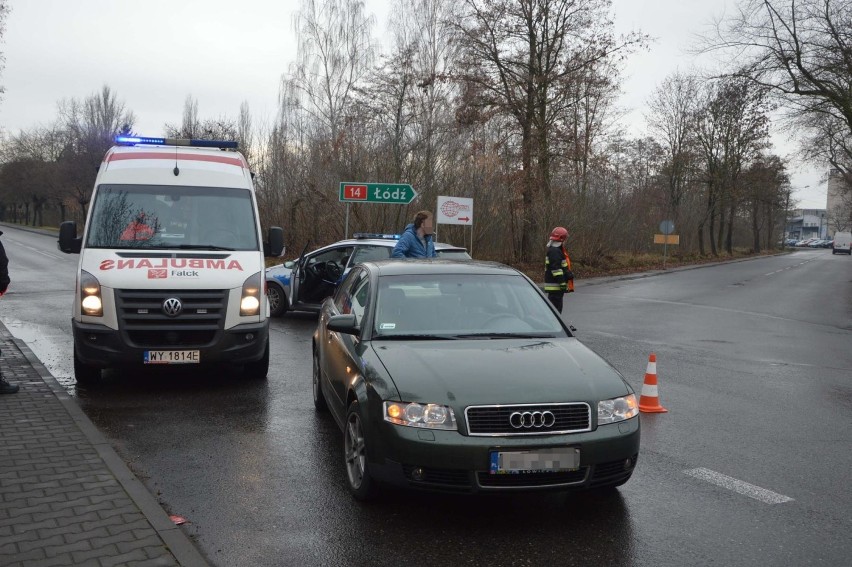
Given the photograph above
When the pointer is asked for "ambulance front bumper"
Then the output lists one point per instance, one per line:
(102, 347)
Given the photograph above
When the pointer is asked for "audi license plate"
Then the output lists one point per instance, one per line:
(540, 460)
(172, 357)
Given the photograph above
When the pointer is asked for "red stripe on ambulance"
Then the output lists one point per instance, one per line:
(116, 156)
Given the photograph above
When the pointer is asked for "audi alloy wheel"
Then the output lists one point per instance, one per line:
(355, 456)
(319, 399)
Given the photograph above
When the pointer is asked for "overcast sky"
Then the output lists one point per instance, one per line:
(155, 53)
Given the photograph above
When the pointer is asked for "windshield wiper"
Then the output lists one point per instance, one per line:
(203, 247)
(505, 336)
(421, 337)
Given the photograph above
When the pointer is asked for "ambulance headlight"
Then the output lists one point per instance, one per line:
(90, 295)
(250, 301)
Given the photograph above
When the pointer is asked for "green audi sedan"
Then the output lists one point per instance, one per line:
(461, 377)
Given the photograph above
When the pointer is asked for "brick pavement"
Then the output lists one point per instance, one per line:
(66, 497)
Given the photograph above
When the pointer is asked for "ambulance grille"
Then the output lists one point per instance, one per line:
(142, 317)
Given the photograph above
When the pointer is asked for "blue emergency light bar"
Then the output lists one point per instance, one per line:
(360, 235)
(133, 140)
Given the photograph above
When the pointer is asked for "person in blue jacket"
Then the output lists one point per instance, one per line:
(416, 240)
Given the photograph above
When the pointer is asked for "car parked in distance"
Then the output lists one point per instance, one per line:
(462, 377)
(315, 275)
(816, 243)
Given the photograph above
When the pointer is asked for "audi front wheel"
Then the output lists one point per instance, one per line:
(360, 483)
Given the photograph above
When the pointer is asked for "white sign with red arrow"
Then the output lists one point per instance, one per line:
(455, 210)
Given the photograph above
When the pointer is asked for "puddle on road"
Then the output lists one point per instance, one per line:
(53, 348)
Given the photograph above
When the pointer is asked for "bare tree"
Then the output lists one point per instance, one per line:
(764, 182)
(519, 55)
(4, 12)
(90, 126)
(334, 53)
(671, 114)
(32, 175)
(190, 126)
(245, 135)
(802, 51)
(193, 127)
(731, 129)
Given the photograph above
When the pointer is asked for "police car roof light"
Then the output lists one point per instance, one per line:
(376, 235)
(133, 140)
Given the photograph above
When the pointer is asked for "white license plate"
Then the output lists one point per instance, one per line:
(172, 357)
(539, 460)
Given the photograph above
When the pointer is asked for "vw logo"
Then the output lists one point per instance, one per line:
(530, 419)
(172, 307)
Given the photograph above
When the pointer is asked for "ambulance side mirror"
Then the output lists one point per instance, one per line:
(274, 246)
(68, 241)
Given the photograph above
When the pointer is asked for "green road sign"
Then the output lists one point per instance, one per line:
(390, 193)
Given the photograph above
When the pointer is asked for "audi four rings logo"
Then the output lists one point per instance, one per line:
(530, 419)
(172, 307)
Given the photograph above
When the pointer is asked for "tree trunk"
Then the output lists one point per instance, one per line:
(755, 227)
(527, 221)
(711, 229)
(729, 234)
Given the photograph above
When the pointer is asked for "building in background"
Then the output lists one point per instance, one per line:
(838, 204)
(807, 223)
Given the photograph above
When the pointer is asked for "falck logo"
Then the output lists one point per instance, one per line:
(157, 274)
(172, 307)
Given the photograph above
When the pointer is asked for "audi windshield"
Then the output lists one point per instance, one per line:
(462, 306)
(158, 217)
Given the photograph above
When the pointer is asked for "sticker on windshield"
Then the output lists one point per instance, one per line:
(387, 326)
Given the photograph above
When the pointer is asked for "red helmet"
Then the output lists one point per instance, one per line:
(559, 234)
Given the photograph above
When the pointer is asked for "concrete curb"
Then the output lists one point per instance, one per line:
(652, 273)
(179, 544)
(30, 229)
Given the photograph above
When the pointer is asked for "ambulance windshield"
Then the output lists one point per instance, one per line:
(161, 217)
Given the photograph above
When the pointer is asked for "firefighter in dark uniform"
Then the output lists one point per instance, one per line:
(558, 277)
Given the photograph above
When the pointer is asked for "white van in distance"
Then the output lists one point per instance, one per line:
(171, 260)
(842, 243)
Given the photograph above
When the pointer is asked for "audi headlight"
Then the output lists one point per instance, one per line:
(617, 409)
(90, 295)
(412, 414)
(250, 301)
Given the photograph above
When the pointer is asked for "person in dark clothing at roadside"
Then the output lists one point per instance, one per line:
(5, 387)
(558, 277)
(416, 240)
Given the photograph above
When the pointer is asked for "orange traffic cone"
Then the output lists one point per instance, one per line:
(649, 401)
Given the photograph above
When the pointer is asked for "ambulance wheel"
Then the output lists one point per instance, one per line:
(84, 374)
(258, 370)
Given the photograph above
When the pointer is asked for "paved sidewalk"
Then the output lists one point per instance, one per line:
(66, 497)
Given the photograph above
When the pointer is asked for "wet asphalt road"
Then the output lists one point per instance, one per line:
(754, 365)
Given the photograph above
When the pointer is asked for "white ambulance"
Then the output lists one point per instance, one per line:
(171, 260)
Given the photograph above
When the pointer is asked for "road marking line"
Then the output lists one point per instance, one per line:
(738, 486)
